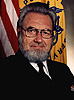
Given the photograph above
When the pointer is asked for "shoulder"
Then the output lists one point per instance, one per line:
(12, 59)
(7, 60)
(60, 71)
(8, 65)
(57, 65)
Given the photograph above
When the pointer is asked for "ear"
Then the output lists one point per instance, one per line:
(18, 31)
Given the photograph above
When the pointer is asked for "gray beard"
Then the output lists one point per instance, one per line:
(35, 55)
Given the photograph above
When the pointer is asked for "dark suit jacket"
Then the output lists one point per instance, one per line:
(18, 77)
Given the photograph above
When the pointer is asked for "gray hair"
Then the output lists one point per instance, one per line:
(37, 7)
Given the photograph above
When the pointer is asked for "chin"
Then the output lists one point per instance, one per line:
(35, 55)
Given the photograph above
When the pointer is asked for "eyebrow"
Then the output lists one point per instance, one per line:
(30, 27)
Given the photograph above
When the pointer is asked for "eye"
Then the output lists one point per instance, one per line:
(46, 33)
(31, 30)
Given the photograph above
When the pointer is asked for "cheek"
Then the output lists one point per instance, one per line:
(25, 43)
(49, 43)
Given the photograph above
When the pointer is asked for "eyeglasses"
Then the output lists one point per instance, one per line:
(32, 32)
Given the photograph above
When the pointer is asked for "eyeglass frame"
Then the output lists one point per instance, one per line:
(51, 31)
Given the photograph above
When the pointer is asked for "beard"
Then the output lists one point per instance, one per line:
(35, 55)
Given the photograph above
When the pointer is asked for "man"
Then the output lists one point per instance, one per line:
(30, 71)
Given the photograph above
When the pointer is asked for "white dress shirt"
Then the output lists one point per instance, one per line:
(45, 68)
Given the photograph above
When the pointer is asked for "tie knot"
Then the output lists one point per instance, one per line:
(40, 65)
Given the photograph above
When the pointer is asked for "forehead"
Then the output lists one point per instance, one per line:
(37, 20)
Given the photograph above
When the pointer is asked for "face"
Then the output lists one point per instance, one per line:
(38, 44)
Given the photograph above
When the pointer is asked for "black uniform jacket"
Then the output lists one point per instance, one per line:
(20, 79)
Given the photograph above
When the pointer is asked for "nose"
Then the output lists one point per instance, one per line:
(38, 38)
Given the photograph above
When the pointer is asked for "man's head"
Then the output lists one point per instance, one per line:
(36, 24)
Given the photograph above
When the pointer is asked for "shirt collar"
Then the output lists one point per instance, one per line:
(35, 66)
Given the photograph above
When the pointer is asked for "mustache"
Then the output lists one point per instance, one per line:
(36, 44)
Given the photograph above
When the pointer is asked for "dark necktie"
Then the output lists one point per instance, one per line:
(40, 65)
(46, 79)
(41, 71)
